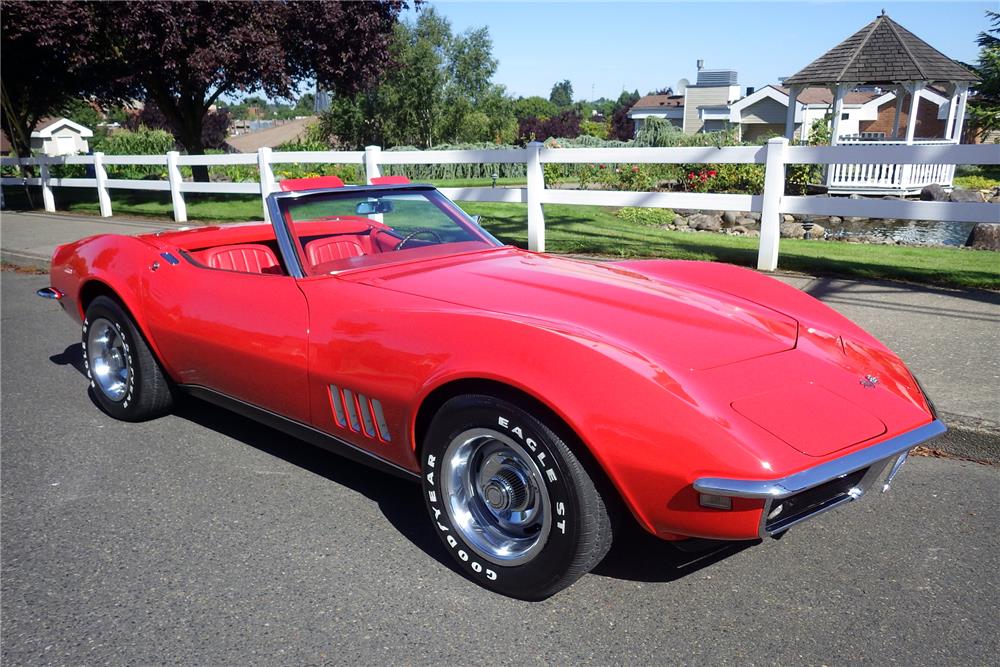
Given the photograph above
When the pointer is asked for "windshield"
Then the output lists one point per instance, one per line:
(336, 231)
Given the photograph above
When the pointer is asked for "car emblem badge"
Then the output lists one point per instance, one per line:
(869, 381)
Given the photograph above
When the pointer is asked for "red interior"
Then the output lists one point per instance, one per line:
(326, 242)
(314, 183)
(246, 258)
(390, 180)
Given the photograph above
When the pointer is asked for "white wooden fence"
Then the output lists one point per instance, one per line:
(772, 203)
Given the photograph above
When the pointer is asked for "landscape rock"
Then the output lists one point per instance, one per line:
(788, 217)
(680, 221)
(795, 230)
(985, 236)
(834, 220)
(749, 223)
(971, 196)
(729, 218)
(933, 192)
(705, 223)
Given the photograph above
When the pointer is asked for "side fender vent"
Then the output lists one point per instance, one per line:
(359, 413)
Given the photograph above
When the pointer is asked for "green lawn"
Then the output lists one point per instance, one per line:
(596, 231)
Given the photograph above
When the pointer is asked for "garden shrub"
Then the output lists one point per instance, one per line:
(976, 182)
(142, 141)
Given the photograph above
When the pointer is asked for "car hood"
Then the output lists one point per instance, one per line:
(680, 324)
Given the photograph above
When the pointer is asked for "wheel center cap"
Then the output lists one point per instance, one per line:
(497, 496)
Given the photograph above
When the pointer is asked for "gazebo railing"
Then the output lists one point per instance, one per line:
(888, 178)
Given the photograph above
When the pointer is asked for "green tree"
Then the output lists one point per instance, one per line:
(562, 94)
(304, 106)
(534, 107)
(985, 106)
(441, 90)
(83, 112)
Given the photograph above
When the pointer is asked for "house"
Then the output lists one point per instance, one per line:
(60, 136)
(699, 107)
(868, 112)
(666, 107)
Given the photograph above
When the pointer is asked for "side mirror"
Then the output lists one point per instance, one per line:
(476, 218)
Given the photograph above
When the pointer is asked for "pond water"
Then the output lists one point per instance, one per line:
(907, 231)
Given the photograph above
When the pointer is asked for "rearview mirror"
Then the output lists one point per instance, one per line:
(373, 206)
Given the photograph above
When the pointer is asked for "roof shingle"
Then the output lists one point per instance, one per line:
(882, 52)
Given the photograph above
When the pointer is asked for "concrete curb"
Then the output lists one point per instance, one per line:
(969, 438)
(17, 259)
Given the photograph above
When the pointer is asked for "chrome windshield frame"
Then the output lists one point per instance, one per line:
(285, 236)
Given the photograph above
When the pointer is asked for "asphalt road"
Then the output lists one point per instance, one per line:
(203, 538)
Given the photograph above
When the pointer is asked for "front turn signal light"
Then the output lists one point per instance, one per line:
(715, 502)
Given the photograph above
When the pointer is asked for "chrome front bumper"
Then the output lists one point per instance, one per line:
(844, 479)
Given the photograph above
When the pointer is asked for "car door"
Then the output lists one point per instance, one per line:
(241, 334)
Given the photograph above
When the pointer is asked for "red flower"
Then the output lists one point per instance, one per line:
(704, 178)
(635, 169)
(602, 166)
(713, 173)
(691, 175)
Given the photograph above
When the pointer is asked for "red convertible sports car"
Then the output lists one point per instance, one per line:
(537, 399)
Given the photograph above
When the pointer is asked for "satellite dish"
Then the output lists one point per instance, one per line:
(682, 86)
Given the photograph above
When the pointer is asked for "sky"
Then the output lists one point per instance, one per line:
(606, 47)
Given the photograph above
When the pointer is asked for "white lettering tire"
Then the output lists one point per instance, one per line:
(126, 380)
(511, 502)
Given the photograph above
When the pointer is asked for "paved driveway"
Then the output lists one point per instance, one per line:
(202, 538)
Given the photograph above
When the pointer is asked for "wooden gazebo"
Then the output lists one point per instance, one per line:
(887, 55)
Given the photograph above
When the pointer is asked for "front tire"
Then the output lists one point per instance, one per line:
(511, 502)
(126, 380)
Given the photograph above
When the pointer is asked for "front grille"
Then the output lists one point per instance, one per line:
(797, 507)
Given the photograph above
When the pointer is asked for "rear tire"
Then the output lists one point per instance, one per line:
(126, 380)
(510, 501)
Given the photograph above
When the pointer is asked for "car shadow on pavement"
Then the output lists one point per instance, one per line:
(71, 356)
(635, 556)
(639, 556)
(399, 500)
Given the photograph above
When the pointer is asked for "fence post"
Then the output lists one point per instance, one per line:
(536, 189)
(176, 196)
(266, 177)
(48, 200)
(371, 163)
(770, 211)
(101, 176)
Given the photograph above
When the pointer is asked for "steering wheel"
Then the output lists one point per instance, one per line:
(417, 232)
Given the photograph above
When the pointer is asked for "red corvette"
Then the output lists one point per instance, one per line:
(536, 398)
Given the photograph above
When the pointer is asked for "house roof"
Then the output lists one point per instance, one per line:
(881, 52)
(656, 101)
(822, 95)
(49, 125)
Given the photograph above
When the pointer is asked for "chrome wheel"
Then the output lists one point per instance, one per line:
(107, 356)
(496, 496)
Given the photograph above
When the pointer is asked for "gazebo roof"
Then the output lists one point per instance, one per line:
(882, 52)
